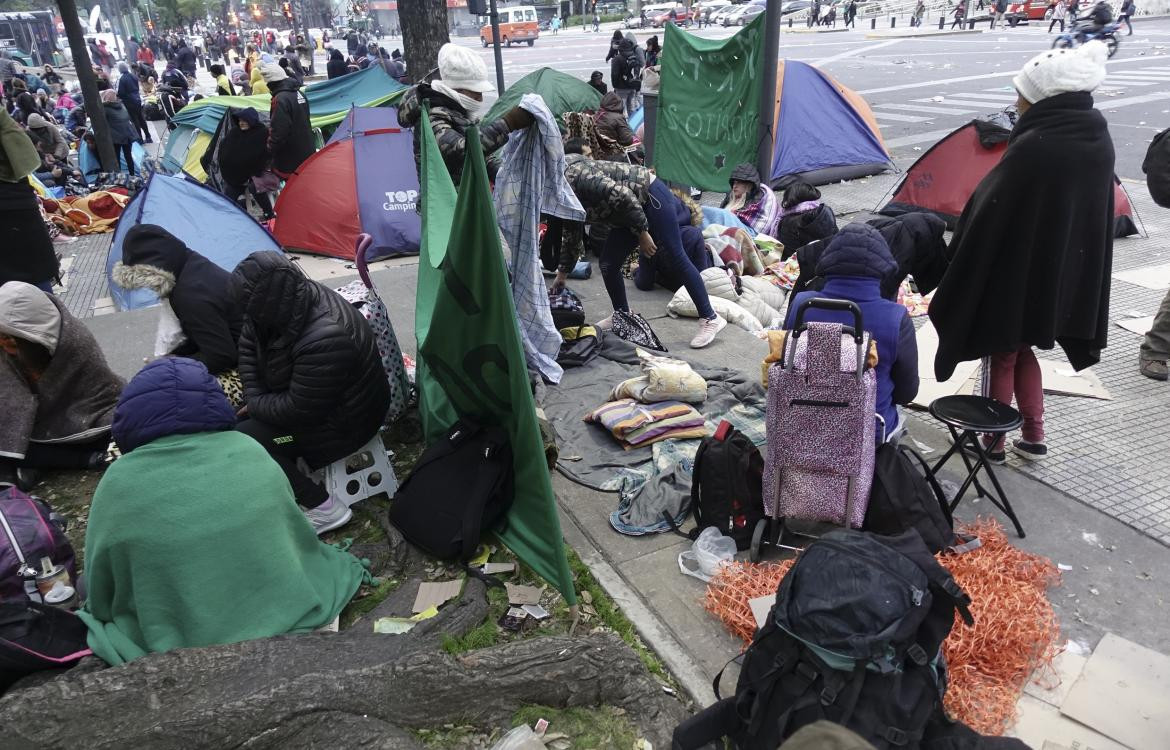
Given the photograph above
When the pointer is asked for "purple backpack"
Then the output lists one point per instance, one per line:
(29, 530)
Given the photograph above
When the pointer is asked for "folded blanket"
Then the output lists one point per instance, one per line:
(635, 424)
(663, 379)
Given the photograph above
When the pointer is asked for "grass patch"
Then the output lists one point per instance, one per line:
(447, 737)
(611, 616)
(587, 728)
(366, 599)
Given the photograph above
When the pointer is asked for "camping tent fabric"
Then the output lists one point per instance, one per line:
(206, 221)
(471, 364)
(943, 179)
(363, 181)
(824, 132)
(87, 160)
(211, 176)
(561, 93)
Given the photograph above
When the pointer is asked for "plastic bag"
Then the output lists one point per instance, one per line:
(709, 552)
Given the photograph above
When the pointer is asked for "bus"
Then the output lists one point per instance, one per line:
(29, 37)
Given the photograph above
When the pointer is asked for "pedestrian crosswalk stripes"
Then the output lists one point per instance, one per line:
(934, 110)
(968, 103)
(1130, 82)
(900, 118)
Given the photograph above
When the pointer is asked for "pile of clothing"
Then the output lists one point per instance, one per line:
(650, 408)
(750, 302)
(95, 213)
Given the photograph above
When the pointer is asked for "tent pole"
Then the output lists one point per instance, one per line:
(768, 63)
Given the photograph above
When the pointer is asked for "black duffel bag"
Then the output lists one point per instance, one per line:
(461, 486)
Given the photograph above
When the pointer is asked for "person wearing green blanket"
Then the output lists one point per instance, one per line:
(194, 536)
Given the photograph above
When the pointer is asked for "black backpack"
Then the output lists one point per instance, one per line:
(854, 638)
(902, 498)
(727, 485)
(461, 486)
(1156, 166)
(35, 637)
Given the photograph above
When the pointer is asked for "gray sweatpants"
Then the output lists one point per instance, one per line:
(1156, 344)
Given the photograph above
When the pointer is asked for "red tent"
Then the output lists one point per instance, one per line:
(944, 177)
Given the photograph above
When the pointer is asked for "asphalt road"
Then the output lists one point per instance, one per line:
(903, 78)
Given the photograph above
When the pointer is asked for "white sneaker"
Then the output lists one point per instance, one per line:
(708, 330)
(605, 324)
(328, 516)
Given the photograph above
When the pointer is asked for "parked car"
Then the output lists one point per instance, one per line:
(718, 16)
(742, 15)
(795, 6)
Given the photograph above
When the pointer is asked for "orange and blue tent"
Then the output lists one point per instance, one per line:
(825, 132)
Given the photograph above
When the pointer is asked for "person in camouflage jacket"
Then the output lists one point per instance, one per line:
(453, 103)
(642, 213)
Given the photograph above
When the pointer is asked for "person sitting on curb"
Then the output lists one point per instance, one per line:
(194, 537)
(751, 200)
(456, 103)
(57, 393)
(314, 384)
(198, 291)
(803, 218)
(854, 265)
(642, 213)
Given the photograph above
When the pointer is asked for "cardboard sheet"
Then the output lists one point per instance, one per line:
(1059, 377)
(1052, 685)
(928, 388)
(435, 594)
(1041, 725)
(1136, 325)
(1122, 693)
(521, 595)
(1150, 277)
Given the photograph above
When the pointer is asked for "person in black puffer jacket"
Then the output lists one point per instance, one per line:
(290, 134)
(803, 218)
(336, 67)
(313, 378)
(243, 154)
(198, 291)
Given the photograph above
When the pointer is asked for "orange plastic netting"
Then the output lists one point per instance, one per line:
(1015, 629)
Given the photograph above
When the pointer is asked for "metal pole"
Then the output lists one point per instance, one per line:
(495, 16)
(768, 87)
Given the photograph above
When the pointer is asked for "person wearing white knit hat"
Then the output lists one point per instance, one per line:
(456, 102)
(1032, 253)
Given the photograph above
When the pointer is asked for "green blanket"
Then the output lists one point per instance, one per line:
(196, 540)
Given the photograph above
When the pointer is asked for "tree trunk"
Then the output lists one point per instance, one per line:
(88, 82)
(424, 31)
(360, 685)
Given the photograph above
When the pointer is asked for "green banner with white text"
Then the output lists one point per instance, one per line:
(708, 106)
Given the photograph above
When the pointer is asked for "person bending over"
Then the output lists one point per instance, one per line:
(198, 291)
(642, 213)
(194, 537)
(314, 384)
(57, 394)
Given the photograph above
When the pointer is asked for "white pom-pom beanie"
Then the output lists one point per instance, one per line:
(1060, 71)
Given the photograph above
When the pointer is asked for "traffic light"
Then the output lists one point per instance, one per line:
(287, 8)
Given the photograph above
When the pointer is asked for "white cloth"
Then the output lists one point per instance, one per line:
(1059, 71)
(460, 68)
(532, 181)
(169, 333)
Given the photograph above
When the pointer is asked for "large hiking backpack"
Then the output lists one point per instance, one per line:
(902, 498)
(461, 486)
(727, 486)
(853, 638)
(29, 531)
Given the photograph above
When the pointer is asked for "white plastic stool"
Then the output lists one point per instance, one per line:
(363, 474)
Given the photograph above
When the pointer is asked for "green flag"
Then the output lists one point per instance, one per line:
(708, 106)
(470, 360)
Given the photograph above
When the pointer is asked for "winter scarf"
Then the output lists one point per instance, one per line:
(1032, 253)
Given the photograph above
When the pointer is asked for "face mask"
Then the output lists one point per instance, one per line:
(474, 108)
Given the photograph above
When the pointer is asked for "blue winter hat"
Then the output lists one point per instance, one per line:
(857, 250)
(170, 396)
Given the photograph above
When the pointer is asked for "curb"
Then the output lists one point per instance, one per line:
(795, 30)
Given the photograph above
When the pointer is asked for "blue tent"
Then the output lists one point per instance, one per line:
(206, 221)
(89, 163)
(824, 132)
